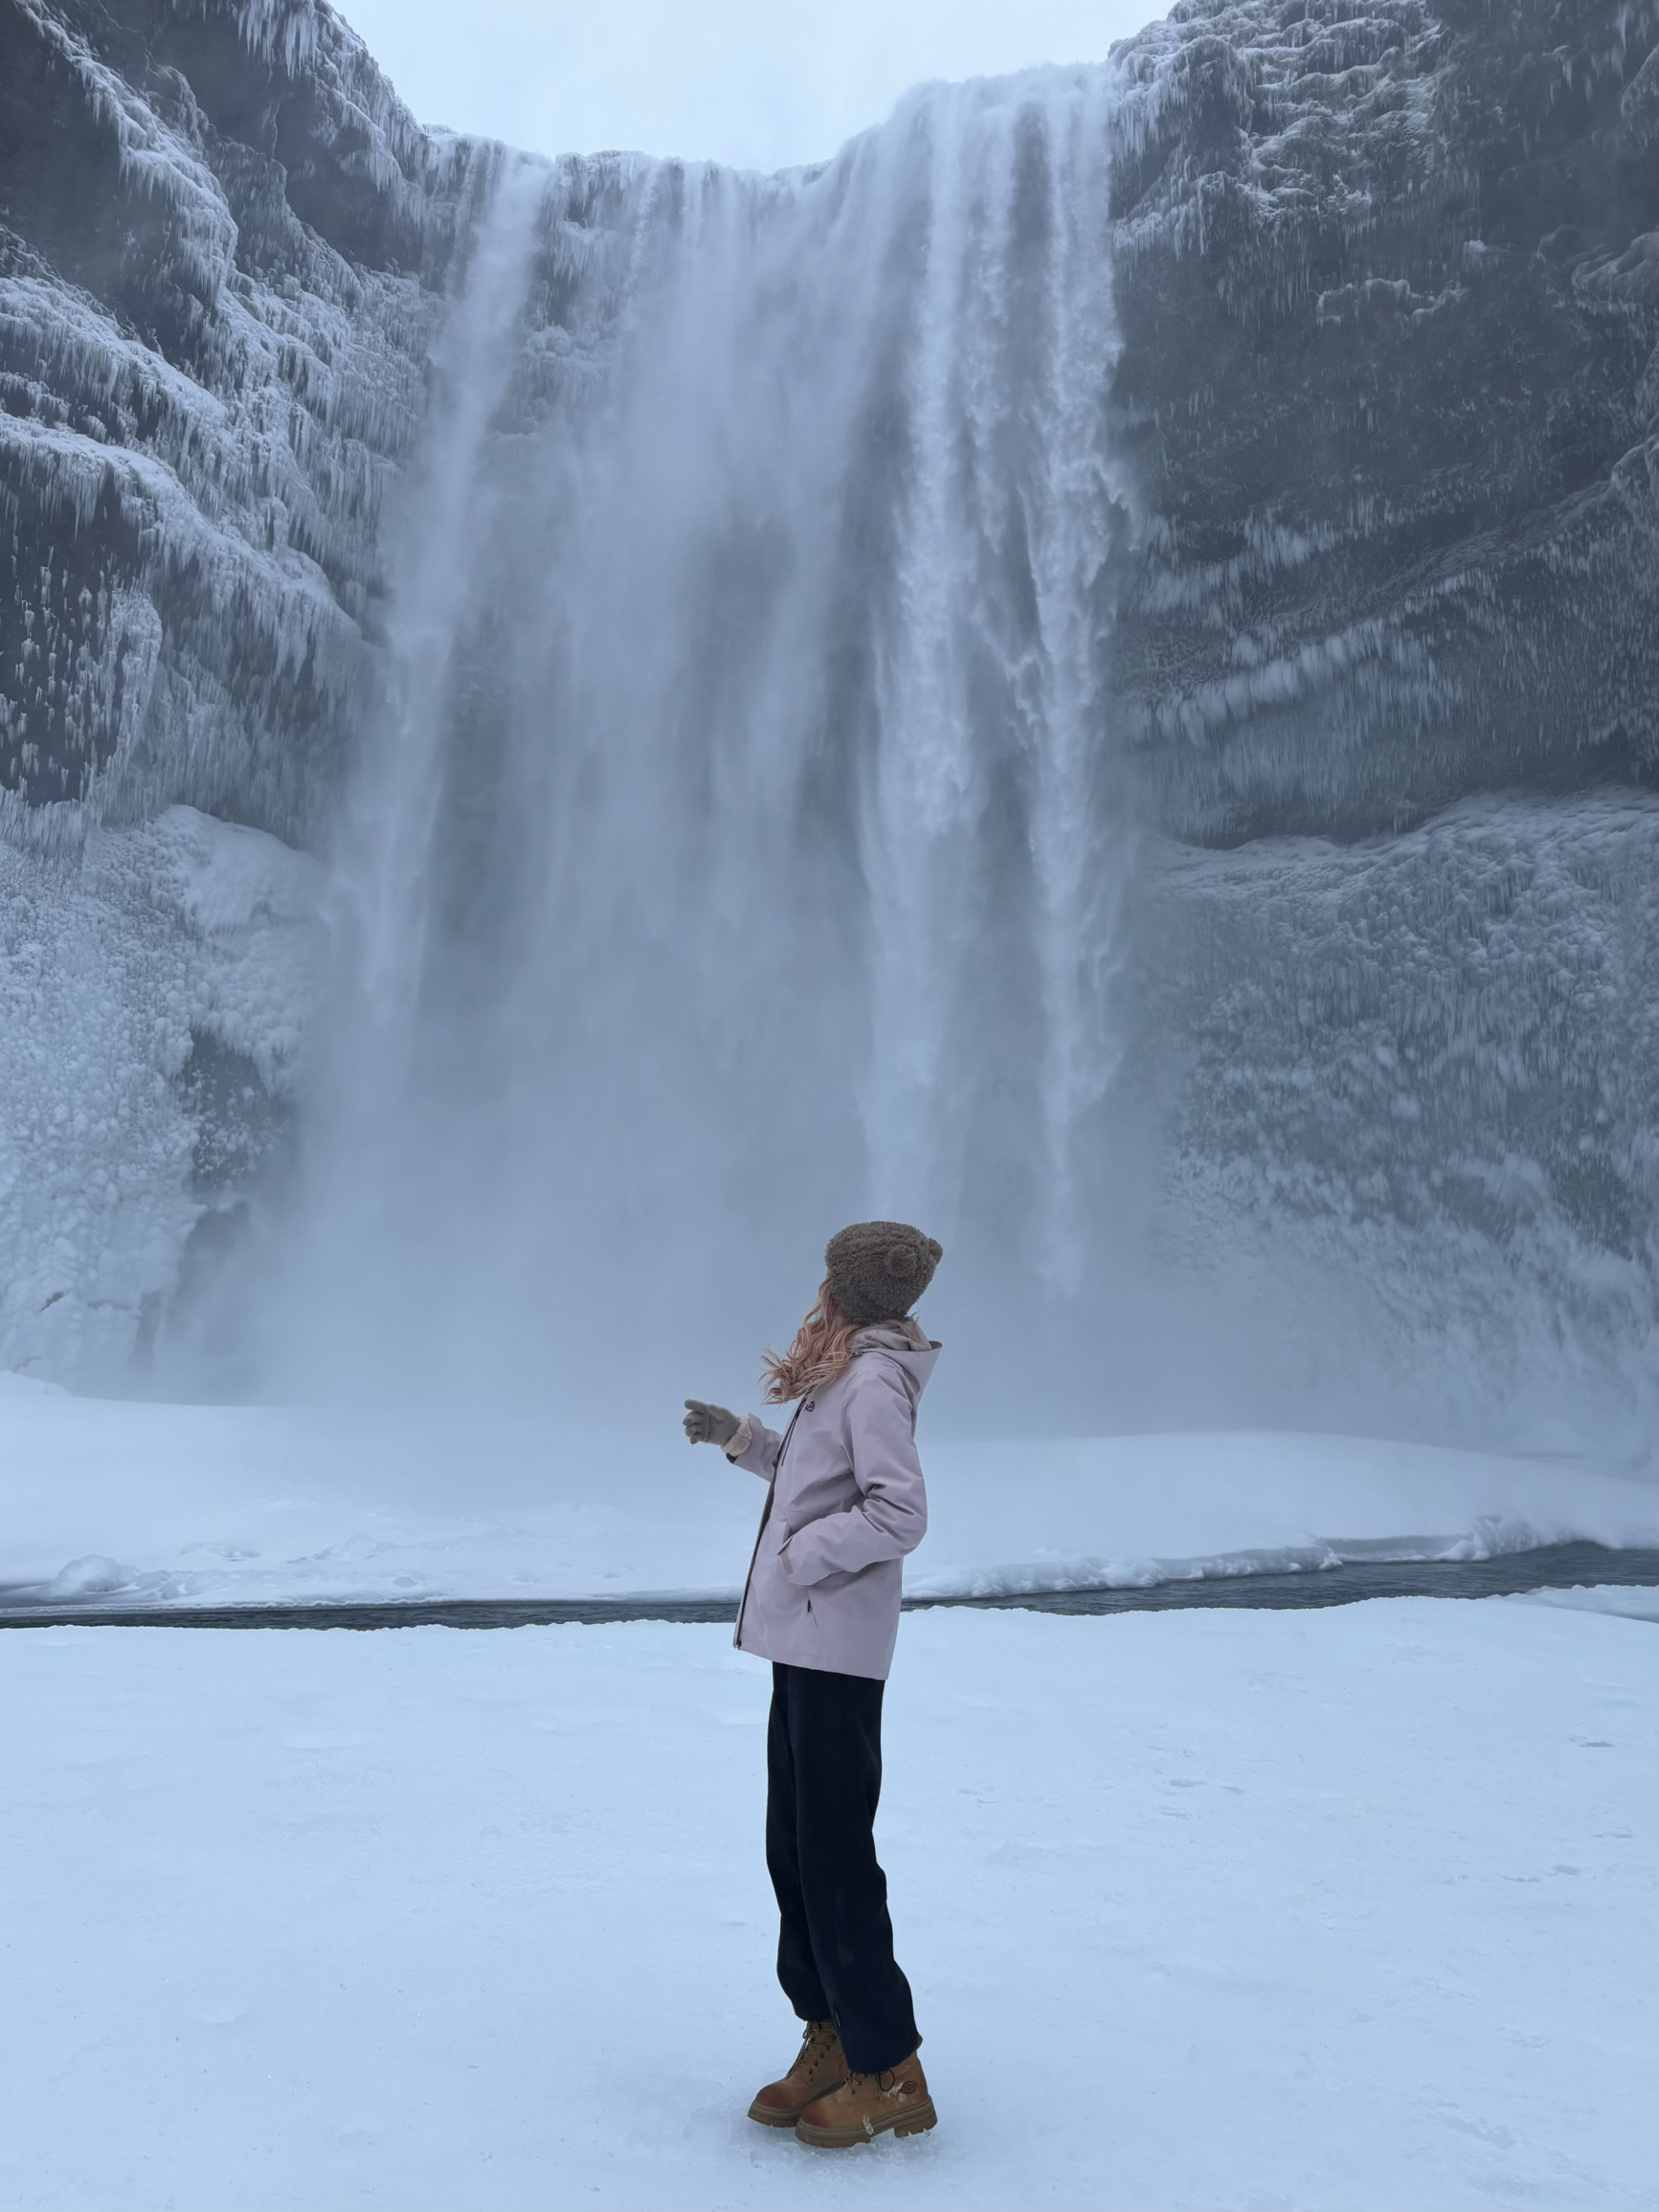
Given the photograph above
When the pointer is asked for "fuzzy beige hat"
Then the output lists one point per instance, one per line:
(878, 1269)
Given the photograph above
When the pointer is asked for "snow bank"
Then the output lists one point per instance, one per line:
(1127, 1510)
(1345, 1909)
(1628, 1603)
(225, 1504)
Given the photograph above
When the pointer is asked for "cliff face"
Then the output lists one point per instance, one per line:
(221, 246)
(1389, 289)
(1388, 279)
(223, 251)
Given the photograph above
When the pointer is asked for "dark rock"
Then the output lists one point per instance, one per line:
(222, 247)
(1390, 298)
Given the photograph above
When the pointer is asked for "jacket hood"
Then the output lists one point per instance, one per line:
(905, 1346)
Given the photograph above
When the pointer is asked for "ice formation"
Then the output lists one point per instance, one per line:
(1418, 1084)
(154, 991)
(202, 398)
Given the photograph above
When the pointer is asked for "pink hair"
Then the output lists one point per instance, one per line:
(821, 1351)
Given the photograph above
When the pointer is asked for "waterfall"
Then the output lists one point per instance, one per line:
(388, 856)
(741, 851)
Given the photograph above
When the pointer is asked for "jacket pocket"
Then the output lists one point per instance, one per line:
(842, 1578)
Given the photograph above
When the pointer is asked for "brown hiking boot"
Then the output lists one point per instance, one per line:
(818, 2068)
(867, 2106)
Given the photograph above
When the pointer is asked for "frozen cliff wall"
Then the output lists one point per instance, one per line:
(1388, 282)
(219, 237)
(1407, 1112)
(1389, 288)
(223, 248)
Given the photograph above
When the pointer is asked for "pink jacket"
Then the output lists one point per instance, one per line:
(845, 1503)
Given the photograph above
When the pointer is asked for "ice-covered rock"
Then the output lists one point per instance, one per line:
(1419, 1067)
(1389, 288)
(223, 251)
(154, 990)
(221, 248)
(1388, 285)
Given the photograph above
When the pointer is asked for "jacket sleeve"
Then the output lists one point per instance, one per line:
(891, 1515)
(755, 1447)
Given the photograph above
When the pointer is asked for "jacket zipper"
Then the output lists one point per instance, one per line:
(765, 1517)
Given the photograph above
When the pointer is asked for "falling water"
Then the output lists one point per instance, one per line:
(389, 840)
(743, 853)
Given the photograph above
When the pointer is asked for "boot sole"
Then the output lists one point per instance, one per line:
(775, 2115)
(914, 2120)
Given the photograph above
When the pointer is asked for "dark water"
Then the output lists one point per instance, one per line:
(1559, 1567)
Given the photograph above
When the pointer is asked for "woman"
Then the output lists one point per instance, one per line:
(844, 1504)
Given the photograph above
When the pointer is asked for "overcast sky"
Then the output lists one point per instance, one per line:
(758, 83)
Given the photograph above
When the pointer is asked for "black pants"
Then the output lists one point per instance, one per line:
(835, 1945)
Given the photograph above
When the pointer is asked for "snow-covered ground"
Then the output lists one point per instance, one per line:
(1327, 1913)
(219, 1503)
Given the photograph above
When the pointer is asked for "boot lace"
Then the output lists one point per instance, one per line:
(891, 2082)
